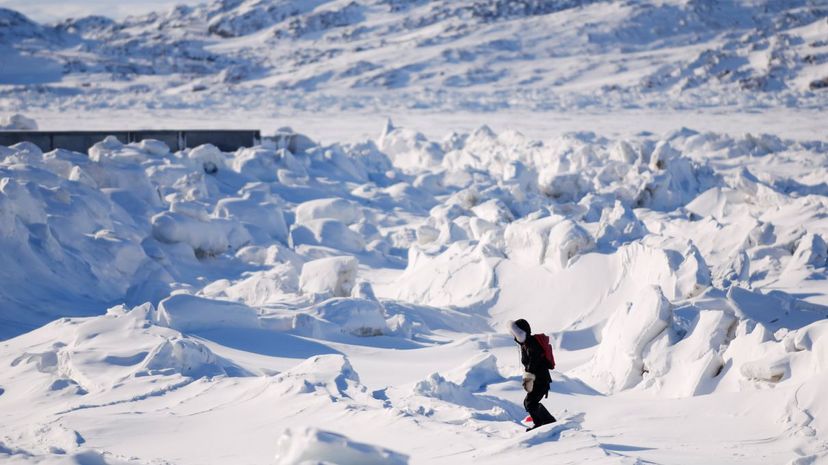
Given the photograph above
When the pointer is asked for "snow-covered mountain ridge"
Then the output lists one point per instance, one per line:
(383, 54)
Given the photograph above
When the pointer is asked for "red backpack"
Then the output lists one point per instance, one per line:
(543, 340)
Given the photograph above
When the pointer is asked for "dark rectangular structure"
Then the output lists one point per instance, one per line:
(80, 141)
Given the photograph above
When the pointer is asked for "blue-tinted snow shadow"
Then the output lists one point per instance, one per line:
(578, 339)
(266, 342)
(561, 384)
(776, 309)
(572, 386)
(623, 448)
(380, 342)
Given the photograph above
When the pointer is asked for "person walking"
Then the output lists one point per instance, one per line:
(536, 377)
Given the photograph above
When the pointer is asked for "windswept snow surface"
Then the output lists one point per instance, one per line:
(348, 303)
(363, 56)
(345, 298)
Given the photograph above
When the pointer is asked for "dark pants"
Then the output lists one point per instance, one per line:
(532, 404)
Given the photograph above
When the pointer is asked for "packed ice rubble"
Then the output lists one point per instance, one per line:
(133, 222)
(674, 266)
(143, 222)
(635, 255)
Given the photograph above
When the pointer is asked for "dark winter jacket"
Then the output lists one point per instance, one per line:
(534, 360)
(531, 353)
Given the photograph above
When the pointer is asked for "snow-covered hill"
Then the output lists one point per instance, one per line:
(440, 55)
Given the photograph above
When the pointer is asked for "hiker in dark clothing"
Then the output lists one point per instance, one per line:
(536, 377)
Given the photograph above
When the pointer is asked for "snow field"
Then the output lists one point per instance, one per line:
(321, 57)
(348, 302)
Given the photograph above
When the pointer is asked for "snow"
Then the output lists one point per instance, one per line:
(478, 372)
(335, 209)
(310, 445)
(328, 56)
(335, 276)
(626, 335)
(358, 316)
(659, 288)
(648, 190)
(190, 313)
(18, 122)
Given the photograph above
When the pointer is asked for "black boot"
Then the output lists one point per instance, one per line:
(541, 416)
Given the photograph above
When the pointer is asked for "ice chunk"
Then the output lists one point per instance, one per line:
(773, 370)
(328, 233)
(363, 290)
(188, 357)
(207, 238)
(438, 387)
(260, 287)
(690, 367)
(270, 255)
(100, 150)
(304, 446)
(811, 251)
(618, 363)
(335, 208)
(461, 275)
(565, 187)
(331, 374)
(195, 210)
(19, 122)
(323, 222)
(154, 147)
(478, 372)
(208, 157)
(409, 150)
(333, 276)
(693, 275)
(360, 317)
(622, 151)
(675, 181)
(619, 225)
(264, 216)
(186, 312)
(526, 240)
(287, 138)
(663, 155)
(566, 241)
(493, 211)
(263, 163)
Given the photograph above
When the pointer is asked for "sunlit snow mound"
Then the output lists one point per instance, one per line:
(80, 359)
(18, 122)
(309, 445)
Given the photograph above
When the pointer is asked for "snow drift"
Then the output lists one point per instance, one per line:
(223, 285)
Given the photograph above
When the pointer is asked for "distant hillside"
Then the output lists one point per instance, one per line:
(442, 54)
